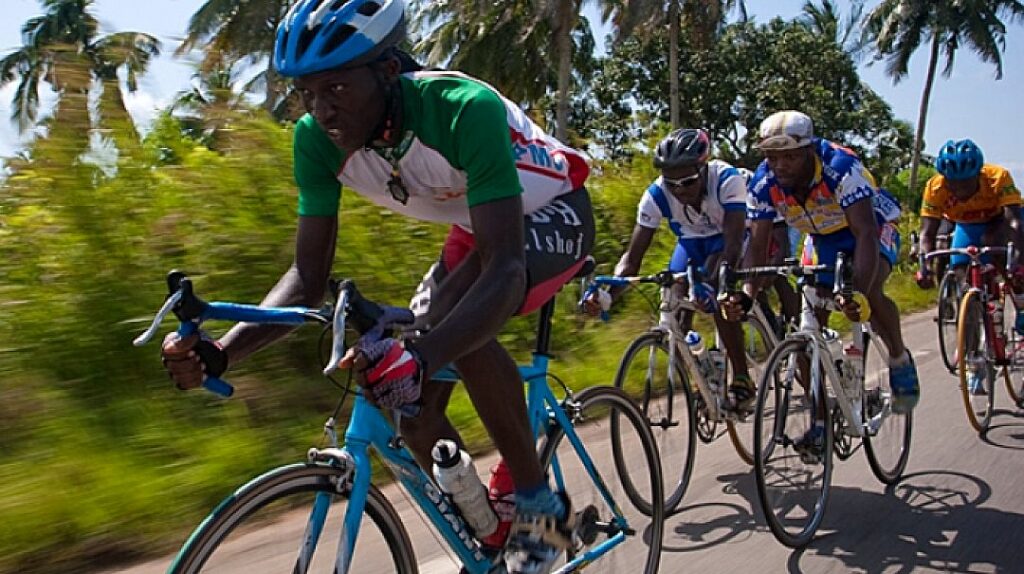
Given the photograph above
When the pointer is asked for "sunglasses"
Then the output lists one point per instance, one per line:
(683, 181)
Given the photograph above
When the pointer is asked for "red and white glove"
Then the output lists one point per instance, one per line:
(390, 373)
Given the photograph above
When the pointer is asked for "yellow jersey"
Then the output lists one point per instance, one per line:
(995, 191)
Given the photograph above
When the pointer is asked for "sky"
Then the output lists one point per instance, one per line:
(968, 104)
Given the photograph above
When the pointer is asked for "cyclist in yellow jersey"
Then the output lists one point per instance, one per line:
(982, 202)
(979, 198)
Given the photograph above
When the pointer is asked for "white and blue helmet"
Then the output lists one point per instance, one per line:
(320, 35)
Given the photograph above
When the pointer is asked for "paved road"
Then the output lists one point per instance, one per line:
(960, 507)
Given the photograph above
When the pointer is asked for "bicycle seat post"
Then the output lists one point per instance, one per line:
(547, 311)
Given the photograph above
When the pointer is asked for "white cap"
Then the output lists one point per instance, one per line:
(788, 129)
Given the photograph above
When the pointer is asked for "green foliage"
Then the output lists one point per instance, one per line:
(910, 199)
(754, 70)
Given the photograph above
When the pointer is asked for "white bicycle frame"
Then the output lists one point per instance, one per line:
(850, 406)
(669, 323)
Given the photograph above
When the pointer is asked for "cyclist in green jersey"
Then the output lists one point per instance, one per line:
(440, 147)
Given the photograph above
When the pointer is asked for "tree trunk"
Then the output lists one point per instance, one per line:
(566, 13)
(271, 92)
(673, 63)
(915, 158)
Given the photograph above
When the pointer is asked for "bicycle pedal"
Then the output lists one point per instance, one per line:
(587, 525)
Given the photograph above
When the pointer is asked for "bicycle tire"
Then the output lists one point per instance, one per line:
(971, 339)
(273, 487)
(783, 387)
(881, 447)
(737, 430)
(663, 404)
(591, 419)
(948, 312)
(1014, 353)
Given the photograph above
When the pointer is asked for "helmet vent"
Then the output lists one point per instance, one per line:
(368, 8)
(306, 37)
(343, 33)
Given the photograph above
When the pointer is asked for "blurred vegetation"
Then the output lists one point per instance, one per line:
(101, 460)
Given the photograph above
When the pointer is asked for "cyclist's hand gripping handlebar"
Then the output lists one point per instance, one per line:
(191, 311)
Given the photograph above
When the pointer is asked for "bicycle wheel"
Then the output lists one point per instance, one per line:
(888, 448)
(261, 527)
(793, 488)
(949, 301)
(757, 346)
(976, 364)
(1014, 353)
(617, 438)
(643, 373)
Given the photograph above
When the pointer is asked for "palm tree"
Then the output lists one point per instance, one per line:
(62, 48)
(509, 44)
(823, 18)
(702, 19)
(208, 107)
(230, 31)
(503, 48)
(899, 27)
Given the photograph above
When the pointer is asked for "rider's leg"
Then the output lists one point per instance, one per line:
(885, 315)
(731, 333)
(492, 380)
(422, 432)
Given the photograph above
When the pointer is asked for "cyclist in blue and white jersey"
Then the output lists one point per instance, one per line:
(822, 189)
(439, 147)
(703, 202)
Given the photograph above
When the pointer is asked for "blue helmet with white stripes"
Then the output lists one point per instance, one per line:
(320, 35)
(959, 160)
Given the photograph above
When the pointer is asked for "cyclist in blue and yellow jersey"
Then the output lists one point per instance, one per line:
(981, 201)
(823, 189)
(703, 202)
(440, 147)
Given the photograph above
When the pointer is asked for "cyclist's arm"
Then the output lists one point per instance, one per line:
(493, 295)
(757, 251)
(861, 218)
(733, 230)
(633, 258)
(929, 229)
(305, 284)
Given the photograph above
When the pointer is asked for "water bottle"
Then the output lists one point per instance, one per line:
(696, 345)
(717, 367)
(996, 309)
(502, 494)
(457, 477)
(853, 365)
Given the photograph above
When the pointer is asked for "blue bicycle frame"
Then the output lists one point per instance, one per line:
(369, 427)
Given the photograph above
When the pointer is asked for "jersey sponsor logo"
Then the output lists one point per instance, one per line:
(820, 214)
(554, 243)
(977, 215)
(538, 156)
(556, 208)
(1009, 189)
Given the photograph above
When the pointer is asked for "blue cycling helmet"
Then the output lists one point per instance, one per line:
(320, 35)
(959, 160)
